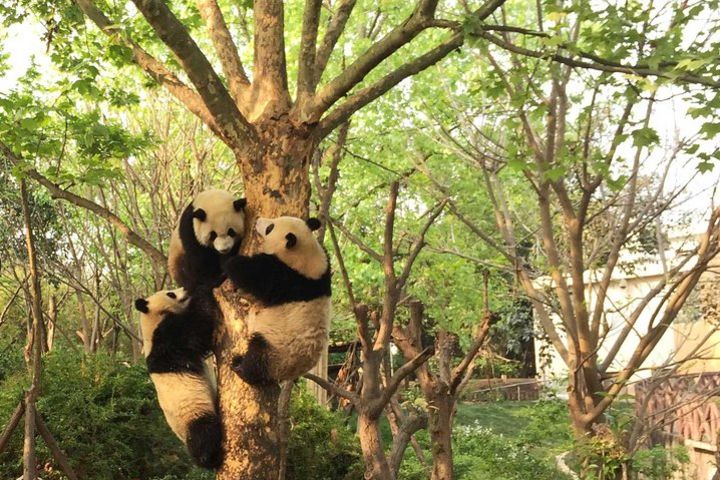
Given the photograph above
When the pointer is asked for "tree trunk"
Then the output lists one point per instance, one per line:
(440, 425)
(276, 183)
(376, 465)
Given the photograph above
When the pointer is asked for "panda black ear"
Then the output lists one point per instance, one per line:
(313, 223)
(291, 240)
(200, 214)
(141, 305)
(240, 204)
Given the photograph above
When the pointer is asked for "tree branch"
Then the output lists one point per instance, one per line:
(270, 87)
(366, 95)
(400, 375)
(156, 70)
(418, 21)
(391, 292)
(225, 48)
(458, 372)
(55, 190)
(306, 59)
(419, 244)
(172, 32)
(605, 66)
(332, 34)
(355, 240)
(334, 389)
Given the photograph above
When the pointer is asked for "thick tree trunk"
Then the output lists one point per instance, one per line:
(276, 183)
(440, 426)
(376, 465)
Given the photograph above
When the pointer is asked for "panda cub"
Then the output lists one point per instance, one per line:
(210, 229)
(177, 336)
(290, 281)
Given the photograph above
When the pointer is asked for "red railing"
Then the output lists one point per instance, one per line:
(685, 406)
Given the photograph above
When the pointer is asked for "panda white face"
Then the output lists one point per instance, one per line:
(163, 302)
(218, 219)
(291, 239)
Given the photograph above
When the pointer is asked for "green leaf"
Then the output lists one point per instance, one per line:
(555, 173)
(710, 129)
(643, 137)
(705, 166)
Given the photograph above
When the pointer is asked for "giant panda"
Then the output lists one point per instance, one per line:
(210, 230)
(177, 336)
(289, 320)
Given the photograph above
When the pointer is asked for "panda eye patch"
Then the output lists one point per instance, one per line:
(213, 235)
(171, 295)
(231, 232)
(269, 229)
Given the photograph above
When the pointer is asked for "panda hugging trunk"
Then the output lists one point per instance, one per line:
(177, 337)
(290, 282)
(210, 230)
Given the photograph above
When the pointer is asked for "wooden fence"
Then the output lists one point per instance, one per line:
(682, 406)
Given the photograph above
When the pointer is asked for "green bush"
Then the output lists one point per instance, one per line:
(104, 414)
(103, 411)
(320, 446)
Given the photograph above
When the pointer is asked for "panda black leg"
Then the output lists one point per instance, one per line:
(253, 366)
(204, 441)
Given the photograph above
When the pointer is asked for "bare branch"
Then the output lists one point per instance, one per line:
(270, 86)
(337, 24)
(355, 240)
(458, 372)
(55, 190)
(419, 244)
(391, 291)
(334, 389)
(341, 264)
(605, 66)
(11, 425)
(172, 32)
(366, 95)
(55, 449)
(308, 42)
(418, 21)
(400, 375)
(225, 48)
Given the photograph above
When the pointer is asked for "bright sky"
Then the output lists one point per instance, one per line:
(670, 119)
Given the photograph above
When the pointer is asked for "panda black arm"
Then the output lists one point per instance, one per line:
(255, 275)
(179, 345)
(186, 230)
(272, 282)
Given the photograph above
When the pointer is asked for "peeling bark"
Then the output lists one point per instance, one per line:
(277, 183)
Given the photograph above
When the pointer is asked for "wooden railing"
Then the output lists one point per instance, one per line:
(682, 406)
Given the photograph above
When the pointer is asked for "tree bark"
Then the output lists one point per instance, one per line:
(376, 465)
(440, 426)
(276, 183)
(36, 340)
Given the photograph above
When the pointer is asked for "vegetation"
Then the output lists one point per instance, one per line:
(477, 165)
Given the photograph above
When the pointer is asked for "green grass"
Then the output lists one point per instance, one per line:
(506, 418)
(502, 441)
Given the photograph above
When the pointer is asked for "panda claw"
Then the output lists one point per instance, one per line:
(252, 374)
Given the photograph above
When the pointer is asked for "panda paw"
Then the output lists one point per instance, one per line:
(252, 372)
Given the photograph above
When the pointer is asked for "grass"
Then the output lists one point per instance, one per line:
(503, 441)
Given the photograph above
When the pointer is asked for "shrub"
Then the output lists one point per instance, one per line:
(103, 412)
(320, 446)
